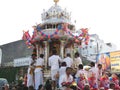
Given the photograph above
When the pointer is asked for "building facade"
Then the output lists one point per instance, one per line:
(14, 59)
(95, 46)
(13, 51)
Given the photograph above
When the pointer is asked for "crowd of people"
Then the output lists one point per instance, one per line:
(73, 73)
(68, 74)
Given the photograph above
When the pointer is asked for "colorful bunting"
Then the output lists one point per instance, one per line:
(39, 27)
(27, 37)
(83, 37)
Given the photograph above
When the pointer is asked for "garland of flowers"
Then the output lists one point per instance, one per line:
(38, 28)
(83, 37)
(49, 35)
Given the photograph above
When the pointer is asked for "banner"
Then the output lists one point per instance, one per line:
(104, 59)
(21, 62)
(115, 61)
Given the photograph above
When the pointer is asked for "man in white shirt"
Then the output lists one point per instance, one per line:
(68, 60)
(62, 69)
(30, 79)
(53, 63)
(80, 71)
(77, 60)
(66, 79)
(38, 71)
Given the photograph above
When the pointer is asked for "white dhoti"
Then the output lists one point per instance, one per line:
(30, 79)
(53, 74)
(38, 79)
(38, 72)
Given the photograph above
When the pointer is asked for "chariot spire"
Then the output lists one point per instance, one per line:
(56, 1)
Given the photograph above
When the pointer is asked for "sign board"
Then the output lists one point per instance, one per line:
(115, 61)
(21, 62)
(104, 59)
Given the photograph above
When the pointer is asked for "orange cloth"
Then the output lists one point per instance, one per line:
(38, 67)
(31, 71)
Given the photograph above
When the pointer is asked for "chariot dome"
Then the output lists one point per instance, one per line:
(55, 32)
(54, 18)
(56, 15)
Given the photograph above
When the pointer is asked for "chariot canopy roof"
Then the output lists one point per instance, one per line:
(56, 24)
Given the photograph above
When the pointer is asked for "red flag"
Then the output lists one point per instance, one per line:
(26, 36)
